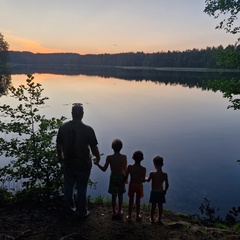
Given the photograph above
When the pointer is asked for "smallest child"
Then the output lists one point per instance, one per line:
(158, 192)
(137, 176)
(118, 166)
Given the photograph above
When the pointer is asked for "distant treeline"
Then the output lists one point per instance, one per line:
(204, 58)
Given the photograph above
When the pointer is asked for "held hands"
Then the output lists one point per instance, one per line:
(96, 161)
(146, 179)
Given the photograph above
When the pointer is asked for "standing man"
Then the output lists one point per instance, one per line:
(74, 142)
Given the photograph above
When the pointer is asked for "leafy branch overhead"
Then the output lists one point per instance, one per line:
(226, 9)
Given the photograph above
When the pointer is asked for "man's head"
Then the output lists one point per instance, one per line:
(77, 111)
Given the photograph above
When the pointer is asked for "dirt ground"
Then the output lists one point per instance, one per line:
(38, 222)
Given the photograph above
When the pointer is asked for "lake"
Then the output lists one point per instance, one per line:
(191, 128)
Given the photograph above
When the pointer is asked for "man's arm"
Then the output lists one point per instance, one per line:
(60, 153)
(95, 152)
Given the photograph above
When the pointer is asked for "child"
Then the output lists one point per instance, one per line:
(137, 177)
(158, 190)
(118, 166)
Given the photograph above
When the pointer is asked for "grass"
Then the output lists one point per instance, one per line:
(236, 226)
(221, 226)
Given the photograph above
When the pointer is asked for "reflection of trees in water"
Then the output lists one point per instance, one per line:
(184, 78)
(5, 81)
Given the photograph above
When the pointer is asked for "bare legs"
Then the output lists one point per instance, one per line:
(153, 208)
(160, 212)
(130, 207)
(114, 198)
(114, 203)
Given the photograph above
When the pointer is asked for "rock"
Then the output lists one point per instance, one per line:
(74, 236)
(6, 237)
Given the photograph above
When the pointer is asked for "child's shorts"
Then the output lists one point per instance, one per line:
(135, 188)
(116, 184)
(157, 197)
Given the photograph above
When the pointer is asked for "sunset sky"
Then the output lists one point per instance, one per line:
(109, 26)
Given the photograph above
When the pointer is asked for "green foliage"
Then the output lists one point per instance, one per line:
(208, 217)
(208, 213)
(236, 226)
(232, 215)
(229, 57)
(145, 206)
(5, 197)
(99, 199)
(221, 226)
(230, 90)
(3, 52)
(5, 77)
(28, 142)
(227, 8)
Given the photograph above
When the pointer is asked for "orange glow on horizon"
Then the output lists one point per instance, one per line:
(28, 45)
(22, 44)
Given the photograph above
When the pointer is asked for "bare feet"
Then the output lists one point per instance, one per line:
(139, 218)
(151, 220)
(128, 218)
(120, 214)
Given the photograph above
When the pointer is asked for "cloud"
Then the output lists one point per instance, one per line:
(24, 44)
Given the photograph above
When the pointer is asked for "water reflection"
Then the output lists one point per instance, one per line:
(189, 78)
(5, 81)
(192, 129)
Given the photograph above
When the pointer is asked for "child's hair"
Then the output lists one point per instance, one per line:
(158, 161)
(117, 145)
(138, 156)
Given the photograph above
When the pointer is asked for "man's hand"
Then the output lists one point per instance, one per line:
(96, 161)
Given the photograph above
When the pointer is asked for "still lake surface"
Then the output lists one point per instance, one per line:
(191, 128)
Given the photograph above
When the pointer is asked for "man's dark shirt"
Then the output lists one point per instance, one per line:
(76, 138)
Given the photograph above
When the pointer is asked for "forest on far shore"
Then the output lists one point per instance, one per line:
(195, 58)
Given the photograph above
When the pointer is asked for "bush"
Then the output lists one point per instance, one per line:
(5, 197)
(28, 142)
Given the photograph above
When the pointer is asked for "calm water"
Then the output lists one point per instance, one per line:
(191, 128)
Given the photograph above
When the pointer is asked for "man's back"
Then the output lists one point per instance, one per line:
(75, 138)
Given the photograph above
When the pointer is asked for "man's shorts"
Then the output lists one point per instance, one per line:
(135, 188)
(117, 184)
(157, 197)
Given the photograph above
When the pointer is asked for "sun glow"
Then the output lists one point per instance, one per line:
(16, 43)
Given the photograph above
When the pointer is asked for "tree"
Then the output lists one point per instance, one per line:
(230, 56)
(3, 51)
(28, 142)
(229, 8)
(5, 78)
